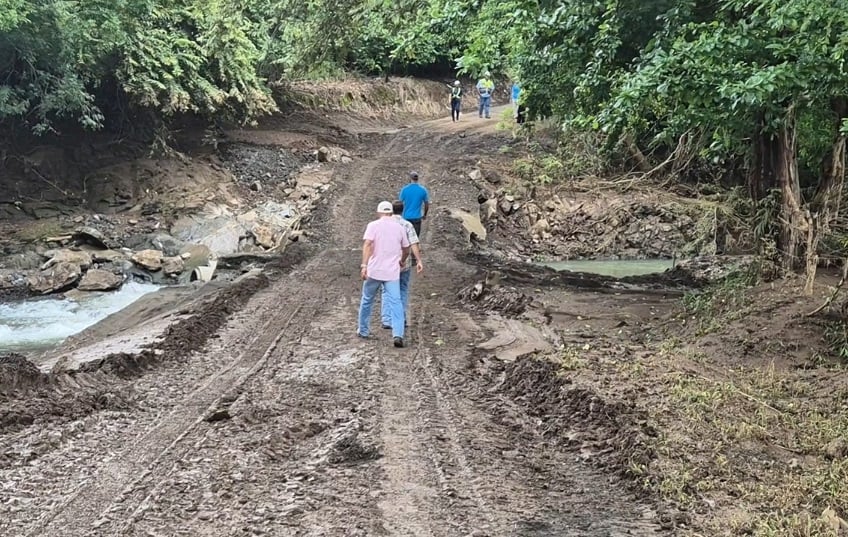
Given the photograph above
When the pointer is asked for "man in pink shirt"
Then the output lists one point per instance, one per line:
(384, 250)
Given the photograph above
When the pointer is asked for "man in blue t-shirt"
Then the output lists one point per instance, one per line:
(416, 202)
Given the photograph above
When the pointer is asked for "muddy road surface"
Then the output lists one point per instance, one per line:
(285, 423)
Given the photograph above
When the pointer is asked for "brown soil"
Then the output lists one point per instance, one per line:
(272, 418)
(525, 403)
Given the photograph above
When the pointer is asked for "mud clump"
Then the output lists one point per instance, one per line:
(597, 227)
(486, 296)
(610, 435)
(28, 395)
(121, 365)
(185, 336)
(346, 446)
(17, 373)
(68, 396)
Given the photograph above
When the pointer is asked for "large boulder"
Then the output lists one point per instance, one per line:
(264, 236)
(58, 277)
(100, 280)
(148, 259)
(173, 265)
(489, 210)
(94, 237)
(169, 245)
(196, 255)
(541, 226)
(108, 256)
(332, 154)
(473, 227)
(69, 257)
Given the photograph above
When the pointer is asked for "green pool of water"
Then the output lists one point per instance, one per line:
(618, 268)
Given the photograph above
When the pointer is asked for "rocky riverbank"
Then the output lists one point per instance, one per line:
(166, 241)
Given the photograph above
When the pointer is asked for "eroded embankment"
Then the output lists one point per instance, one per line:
(28, 395)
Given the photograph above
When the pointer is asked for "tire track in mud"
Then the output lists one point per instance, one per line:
(303, 420)
(489, 479)
(332, 436)
(123, 476)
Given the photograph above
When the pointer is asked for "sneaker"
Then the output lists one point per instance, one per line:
(364, 336)
(398, 342)
(387, 327)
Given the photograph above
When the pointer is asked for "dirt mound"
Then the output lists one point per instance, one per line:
(65, 396)
(566, 223)
(270, 166)
(369, 98)
(184, 336)
(610, 435)
(27, 395)
(16, 372)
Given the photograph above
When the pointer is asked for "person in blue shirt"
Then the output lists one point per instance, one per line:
(416, 202)
(520, 111)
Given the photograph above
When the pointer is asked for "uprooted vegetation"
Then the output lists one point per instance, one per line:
(536, 202)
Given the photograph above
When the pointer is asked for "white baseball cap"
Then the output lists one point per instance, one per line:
(385, 207)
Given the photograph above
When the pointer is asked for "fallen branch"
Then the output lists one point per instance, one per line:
(835, 292)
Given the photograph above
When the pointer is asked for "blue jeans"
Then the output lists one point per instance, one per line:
(391, 296)
(485, 104)
(386, 312)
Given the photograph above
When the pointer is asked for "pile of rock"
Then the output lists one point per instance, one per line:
(544, 225)
(87, 269)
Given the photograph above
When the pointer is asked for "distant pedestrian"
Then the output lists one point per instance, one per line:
(456, 100)
(485, 89)
(416, 202)
(520, 111)
(385, 248)
(406, 270)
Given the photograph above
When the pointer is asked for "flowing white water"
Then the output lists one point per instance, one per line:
(39, 324)
(615, 268)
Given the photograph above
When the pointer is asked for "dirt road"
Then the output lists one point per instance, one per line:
(285, 423)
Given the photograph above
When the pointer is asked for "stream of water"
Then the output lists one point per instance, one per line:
(617, 268)
(42, 323)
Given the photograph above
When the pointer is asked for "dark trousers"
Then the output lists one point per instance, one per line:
(520, 114)
(455, 104)
(417, 225)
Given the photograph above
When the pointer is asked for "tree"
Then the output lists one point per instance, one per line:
(751, 78)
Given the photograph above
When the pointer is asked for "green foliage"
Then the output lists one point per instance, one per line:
(720, 302)
(176, 56)
(543, 169)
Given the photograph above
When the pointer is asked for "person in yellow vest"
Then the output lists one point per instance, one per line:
(456, 100)
(485, 89)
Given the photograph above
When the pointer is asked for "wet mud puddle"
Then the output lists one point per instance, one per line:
(618, 268)
(39, 324)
